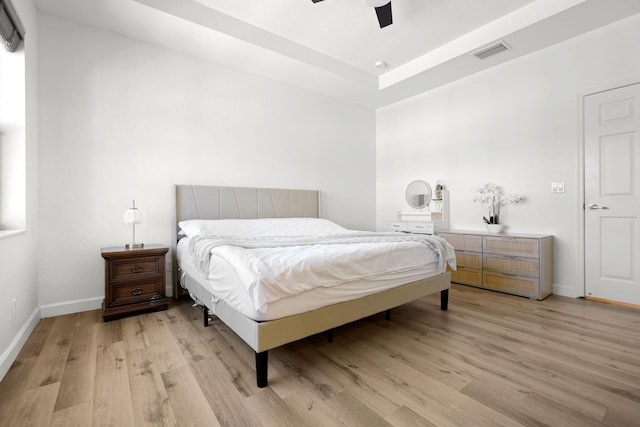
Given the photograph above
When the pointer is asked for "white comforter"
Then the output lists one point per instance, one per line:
(272, 268)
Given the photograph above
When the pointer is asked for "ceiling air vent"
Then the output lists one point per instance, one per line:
(488, 51)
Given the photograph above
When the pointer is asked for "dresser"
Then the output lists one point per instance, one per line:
(519, 264)
(135, 280)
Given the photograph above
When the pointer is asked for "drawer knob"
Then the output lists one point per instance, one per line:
(136, 291)
(136, 268)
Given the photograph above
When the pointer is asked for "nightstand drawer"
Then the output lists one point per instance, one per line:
(132, 269)
(127, 293)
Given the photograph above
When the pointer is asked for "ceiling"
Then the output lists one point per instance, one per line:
(332, 46)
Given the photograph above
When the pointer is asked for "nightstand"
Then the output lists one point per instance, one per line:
(134, 280)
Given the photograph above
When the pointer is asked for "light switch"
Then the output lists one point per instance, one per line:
(557, 187)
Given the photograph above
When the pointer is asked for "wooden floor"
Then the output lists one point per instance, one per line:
(492, 359)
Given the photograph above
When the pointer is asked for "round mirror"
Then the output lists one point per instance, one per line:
(418, 194)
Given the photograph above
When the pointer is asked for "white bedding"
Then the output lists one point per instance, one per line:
(265, 274)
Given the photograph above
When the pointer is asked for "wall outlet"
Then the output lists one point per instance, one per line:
(13, 308)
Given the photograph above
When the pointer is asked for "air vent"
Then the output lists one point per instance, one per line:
(494, 49)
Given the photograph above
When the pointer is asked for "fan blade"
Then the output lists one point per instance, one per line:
(384, 15)
(316, 1)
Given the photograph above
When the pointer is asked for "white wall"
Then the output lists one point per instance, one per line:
(517, 125)
(123, 120)
(18, 252)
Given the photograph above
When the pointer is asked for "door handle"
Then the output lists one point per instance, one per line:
(595, 206)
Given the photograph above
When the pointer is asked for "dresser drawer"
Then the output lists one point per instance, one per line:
(132, 269)
(398, 225)
(467, 276)
(510, 264)
(463, 242)
(468, 259)
(512, 246)
(513, 284)
(424, 227)
(127, 293)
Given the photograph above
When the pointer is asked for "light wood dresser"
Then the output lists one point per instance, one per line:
(519, 264)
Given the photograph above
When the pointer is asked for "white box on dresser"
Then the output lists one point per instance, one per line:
(431, 218)
(419, 227)
(520, 264)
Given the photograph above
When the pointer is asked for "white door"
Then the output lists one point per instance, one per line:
(612, 195)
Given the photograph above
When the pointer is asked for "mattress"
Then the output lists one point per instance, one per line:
(223, 281)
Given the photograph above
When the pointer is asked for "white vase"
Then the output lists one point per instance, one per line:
(494, 228)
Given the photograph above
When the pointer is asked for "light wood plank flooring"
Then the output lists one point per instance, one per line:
(492, 359)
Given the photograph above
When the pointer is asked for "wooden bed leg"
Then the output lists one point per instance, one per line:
(262, 360)
(387, 314)
(205, 310)
(444, 299)
(330, 335)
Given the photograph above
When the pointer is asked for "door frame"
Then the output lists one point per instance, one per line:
(580, 291)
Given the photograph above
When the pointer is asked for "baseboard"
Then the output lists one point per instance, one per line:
(608, 301)
(11, 353)
(565, 291)
(69, 307)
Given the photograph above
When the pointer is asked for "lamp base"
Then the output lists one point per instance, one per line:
(134, 245)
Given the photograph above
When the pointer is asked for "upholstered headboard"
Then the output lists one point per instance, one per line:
(209, 202)
(213, 202)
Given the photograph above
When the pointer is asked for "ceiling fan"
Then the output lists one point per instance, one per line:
(383, 10)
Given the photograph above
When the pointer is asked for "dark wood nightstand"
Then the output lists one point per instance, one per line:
(134, 280)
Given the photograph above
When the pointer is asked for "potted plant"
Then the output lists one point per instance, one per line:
(492, 197)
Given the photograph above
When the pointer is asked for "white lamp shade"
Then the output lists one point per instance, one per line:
(375, 3)
(132, 216)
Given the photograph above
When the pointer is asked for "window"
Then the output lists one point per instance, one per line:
(12, 132)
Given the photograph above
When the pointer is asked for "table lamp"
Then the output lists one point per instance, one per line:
(133, 216)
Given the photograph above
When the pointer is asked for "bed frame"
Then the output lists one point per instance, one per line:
(211, 202)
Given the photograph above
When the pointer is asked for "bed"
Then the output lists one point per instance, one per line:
(250, 256)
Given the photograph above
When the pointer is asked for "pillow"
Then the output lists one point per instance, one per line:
(266, 227)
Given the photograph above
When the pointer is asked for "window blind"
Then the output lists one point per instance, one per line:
(11, 29)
